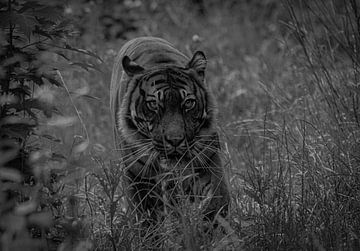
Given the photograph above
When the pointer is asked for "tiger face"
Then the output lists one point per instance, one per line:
(168, 105)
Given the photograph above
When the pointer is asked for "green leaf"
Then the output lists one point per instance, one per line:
(29, 5)
(50, 137)
(83, 51)
(81, 147)
(42, 33)
(5, 18)
(13, 223)
(58, 157)
(10, 174)
(85, 66)
(23, 90)
(26, 207)
(88, 96)
(64, 24)
(16, 124)
(49, 13)
(62, 55)
(14, 60)
(41, 10)
(51, 79)
(43, 219)
(29, 76)
(45, 107)
(25, 23)
(8, 150)
(62, 121)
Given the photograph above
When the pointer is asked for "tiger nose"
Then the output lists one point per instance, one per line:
(175, 140)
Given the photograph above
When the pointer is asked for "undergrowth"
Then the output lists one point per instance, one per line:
(286, 79)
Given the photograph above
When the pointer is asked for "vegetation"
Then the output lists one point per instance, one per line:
(286, 78)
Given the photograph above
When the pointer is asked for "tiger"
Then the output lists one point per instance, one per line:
(164, 120)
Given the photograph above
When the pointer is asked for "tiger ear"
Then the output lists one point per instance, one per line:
(198, 63)
(130, 67)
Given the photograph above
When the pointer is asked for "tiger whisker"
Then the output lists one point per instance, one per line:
(186, 166)
(150, 159)
(211, 148)
(198, 156)
(135, 154)
(126, 135)
(209, 139)
(201, 156)
(133, 147)
(206, 135)
(123, 140)
(188, 149)
(137, 157)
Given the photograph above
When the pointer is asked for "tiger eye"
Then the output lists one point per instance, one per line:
(189, 104)
(152, 105)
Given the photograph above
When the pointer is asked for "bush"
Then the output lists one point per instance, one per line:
(33, 198)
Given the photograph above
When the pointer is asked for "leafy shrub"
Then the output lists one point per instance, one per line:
(33, 38)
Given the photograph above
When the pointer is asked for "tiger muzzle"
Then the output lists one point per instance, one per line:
(175, 140)
(174, 145)
(173, 137)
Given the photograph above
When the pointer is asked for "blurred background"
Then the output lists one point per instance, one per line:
(242, 41)
(285, 75)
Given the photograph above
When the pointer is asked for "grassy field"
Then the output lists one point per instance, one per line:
(286, 78)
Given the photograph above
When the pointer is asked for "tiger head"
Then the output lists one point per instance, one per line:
(167, 105)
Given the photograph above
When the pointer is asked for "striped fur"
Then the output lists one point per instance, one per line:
(164, 125)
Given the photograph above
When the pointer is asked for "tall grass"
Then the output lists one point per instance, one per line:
(302, 157)
(286, 79)
(288, 102)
